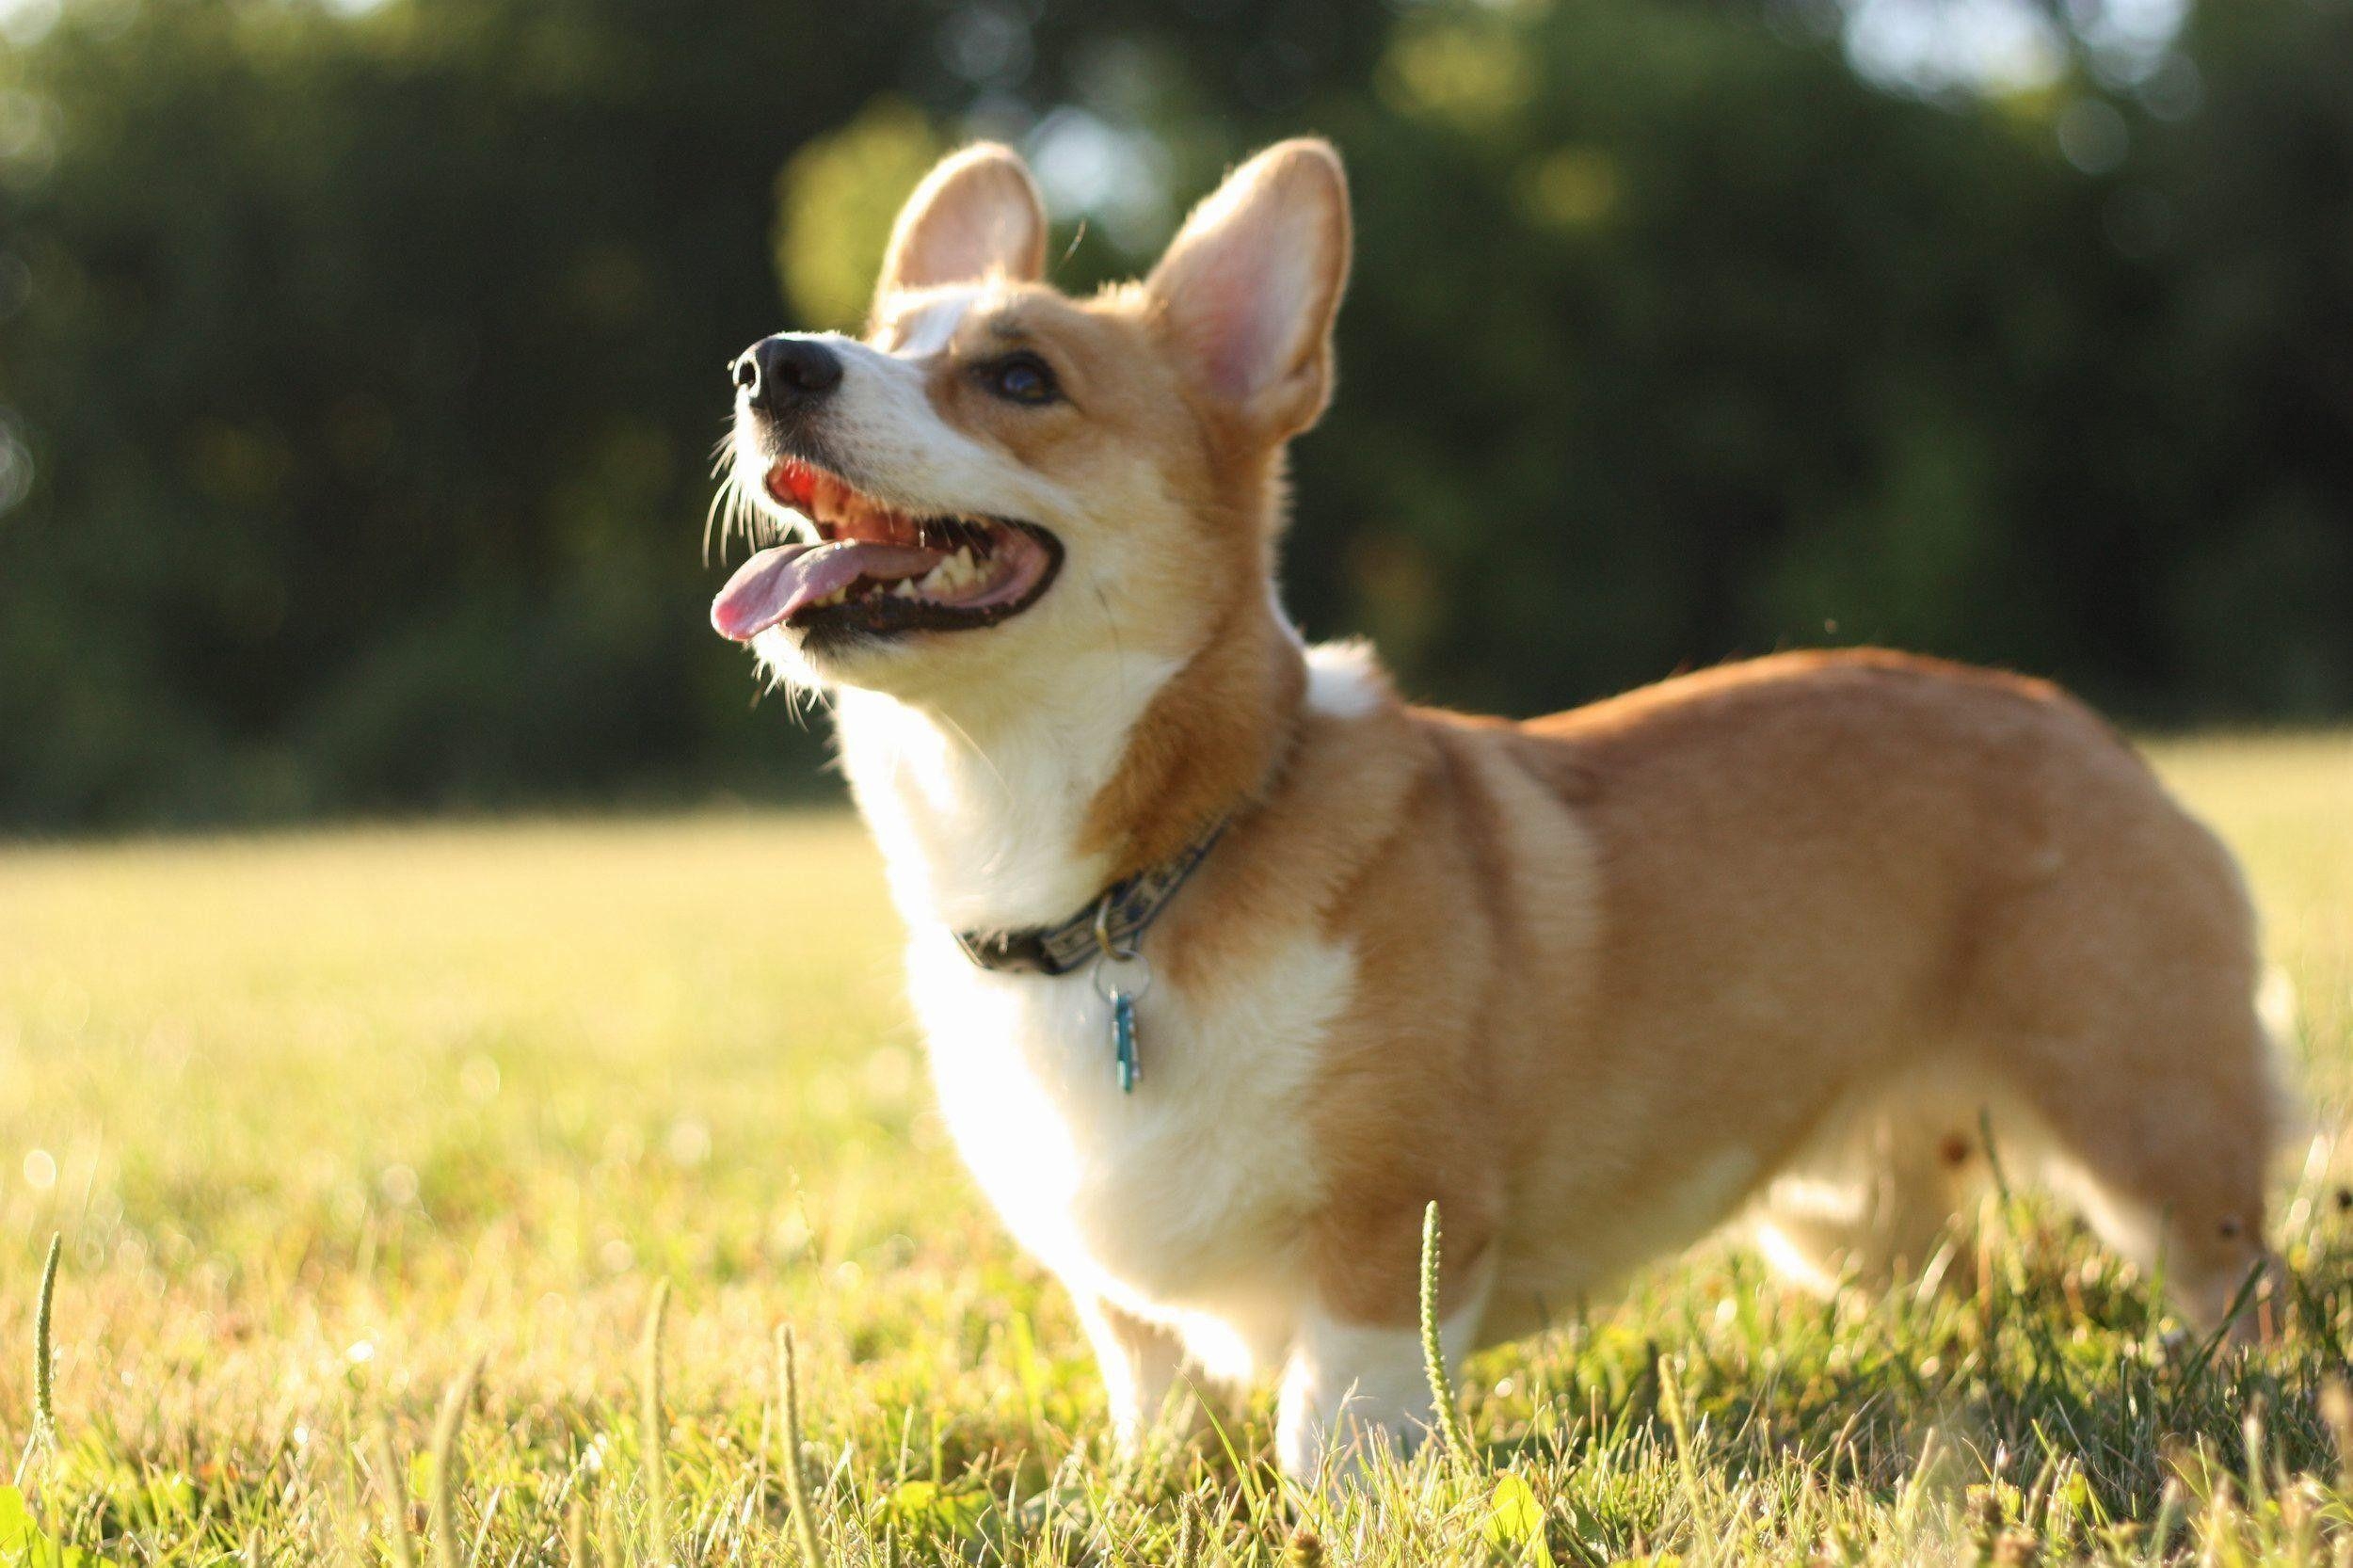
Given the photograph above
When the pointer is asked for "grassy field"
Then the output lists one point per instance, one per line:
(327, 1120)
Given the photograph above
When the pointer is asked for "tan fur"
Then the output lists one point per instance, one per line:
(1622, 973)
(1710, 916)
(977, 212)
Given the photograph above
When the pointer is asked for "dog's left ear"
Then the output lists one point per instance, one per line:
(1248, 291)
(976, 215)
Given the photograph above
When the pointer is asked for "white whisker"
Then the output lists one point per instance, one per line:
(720, 497)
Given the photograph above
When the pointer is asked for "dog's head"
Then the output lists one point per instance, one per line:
(1000, 479)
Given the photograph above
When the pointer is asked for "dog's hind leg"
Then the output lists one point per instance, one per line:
(2116, 1002)
(2169, 1169)
(1872, 1198)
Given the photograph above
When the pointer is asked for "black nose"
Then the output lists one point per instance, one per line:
(787, 373)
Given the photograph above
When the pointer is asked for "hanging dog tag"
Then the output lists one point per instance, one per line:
(1134, 978)
(1124, 1039)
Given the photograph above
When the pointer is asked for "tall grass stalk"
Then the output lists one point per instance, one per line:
(1448, 1416)
(44, 1433)
(650, 1421)
(395, 1496)
(1687, 1461)
(445, 1429)
(350, 1511)
(796, 1481)
(575, 1533)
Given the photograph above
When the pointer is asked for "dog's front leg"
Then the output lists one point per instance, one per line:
(1351, 1391)
(1140, 1362)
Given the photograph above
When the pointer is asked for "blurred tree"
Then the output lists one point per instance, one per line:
(369, 364)
(358, 371)
(1674, 339)
(836, 203)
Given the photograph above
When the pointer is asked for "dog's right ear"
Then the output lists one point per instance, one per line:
(976, 215)
(1248, 290)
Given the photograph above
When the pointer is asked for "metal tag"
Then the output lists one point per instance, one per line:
(1123, 1040)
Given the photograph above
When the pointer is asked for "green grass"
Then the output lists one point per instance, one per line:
(327, 1120)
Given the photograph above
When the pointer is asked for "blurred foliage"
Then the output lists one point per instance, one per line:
(836, 203)
(358, 371)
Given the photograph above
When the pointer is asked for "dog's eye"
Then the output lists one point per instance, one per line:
(1021, 378)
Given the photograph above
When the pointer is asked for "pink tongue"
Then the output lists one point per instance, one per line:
(777, 581)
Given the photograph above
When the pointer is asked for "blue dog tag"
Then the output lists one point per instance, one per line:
(1123, 1040)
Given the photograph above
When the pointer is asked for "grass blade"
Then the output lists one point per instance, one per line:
(575, 1534)
(44, 1433)
(1449, 1418)
(796, 1482)
(395, 1496)
(446, 1428)
(650, 1421)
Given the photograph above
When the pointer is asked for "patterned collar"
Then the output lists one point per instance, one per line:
(1109, 926)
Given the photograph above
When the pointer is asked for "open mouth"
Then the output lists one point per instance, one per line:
(878, 570)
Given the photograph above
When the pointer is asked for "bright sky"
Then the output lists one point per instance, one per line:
(1998, 44)
(21, 20)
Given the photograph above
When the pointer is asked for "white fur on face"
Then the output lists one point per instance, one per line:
(933, 328)
(974, 754)
(890, 441)
(892, 444)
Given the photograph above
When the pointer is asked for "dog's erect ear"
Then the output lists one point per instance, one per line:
(978, 214)
(1247, 292)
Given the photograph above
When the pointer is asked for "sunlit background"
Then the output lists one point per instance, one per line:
(359, 361)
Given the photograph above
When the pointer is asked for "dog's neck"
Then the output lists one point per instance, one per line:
(1017, 809)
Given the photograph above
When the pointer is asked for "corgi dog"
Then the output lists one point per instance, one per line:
(1230, 962)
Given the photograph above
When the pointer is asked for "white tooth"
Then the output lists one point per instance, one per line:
(903, 589)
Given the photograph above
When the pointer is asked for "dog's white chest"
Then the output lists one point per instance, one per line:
(1179, 1199)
